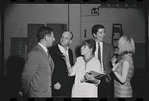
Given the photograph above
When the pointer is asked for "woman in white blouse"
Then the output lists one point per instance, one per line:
(84, 64)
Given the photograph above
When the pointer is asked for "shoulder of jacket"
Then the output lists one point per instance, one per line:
(53, 48)
(107, 44)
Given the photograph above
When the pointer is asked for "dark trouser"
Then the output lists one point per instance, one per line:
(56, 95)
(65, 90)
(61, 93)
(105, 89)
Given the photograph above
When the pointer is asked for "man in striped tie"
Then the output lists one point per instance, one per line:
(36, 75)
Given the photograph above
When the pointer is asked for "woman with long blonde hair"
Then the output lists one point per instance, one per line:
(124, 69)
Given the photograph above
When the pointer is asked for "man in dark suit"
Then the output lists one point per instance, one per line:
(61, 82)
(36, 75)
(104, 52)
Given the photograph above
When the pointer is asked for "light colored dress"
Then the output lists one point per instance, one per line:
(124, 90)
(79, 69)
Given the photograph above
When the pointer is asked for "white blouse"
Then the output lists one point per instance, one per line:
(79, 69)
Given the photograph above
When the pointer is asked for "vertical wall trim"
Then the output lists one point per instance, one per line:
(68, 16)
(3, 69)
(80, 22)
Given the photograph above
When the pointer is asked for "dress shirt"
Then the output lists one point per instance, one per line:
(101, 53)
(79, 69)
(44, 48)
(62, 49)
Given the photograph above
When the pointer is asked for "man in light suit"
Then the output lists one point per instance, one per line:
(104, 55)
(61, 82)
(36, 75)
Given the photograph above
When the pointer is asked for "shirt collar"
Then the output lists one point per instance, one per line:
(99, 43)
(44, 48)
(62, 48)
(87, 60)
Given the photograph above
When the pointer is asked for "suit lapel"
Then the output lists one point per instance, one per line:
(43, 52)
(69, 55)
(51, 63)
(104, 56)
(58, 50)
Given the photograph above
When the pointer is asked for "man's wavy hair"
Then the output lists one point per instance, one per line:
(96, 27)
(42, 32)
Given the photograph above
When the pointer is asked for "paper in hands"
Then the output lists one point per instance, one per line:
(96, 75)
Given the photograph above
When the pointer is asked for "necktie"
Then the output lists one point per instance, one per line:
(99, 53)
(51, 61)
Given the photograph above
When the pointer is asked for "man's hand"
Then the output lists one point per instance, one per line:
(57, 86)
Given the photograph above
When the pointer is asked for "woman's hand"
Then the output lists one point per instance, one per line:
(113, 60)
(65, 57)
(89, 77)
(115, 66)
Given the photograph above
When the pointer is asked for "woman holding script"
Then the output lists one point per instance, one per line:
(85, 85)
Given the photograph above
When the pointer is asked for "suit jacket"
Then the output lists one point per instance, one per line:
(36, 75)
(105, 88)
(108, 53)
(60, 73)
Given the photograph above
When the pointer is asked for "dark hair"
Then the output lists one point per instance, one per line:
(70, 32)
(90, 43)
(96, 27)
(42, 31)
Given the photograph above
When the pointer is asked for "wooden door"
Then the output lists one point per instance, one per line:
(57, 30)
(33, 29)
(31, 37)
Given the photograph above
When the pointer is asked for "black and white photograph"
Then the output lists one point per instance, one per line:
(55, 50)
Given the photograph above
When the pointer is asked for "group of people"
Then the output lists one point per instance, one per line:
(50, 71)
